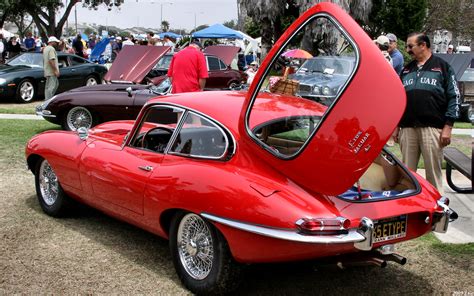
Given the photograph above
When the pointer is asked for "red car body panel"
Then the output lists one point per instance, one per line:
(252, 186)
(134, 62)
(226, 53)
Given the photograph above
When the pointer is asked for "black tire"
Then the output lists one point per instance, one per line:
(91, 78)
(224, 273)
(52, 198)
(77, 117)
(26, 91)
(234, 85)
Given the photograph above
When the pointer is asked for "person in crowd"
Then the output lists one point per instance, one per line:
(13, 47)
(38, 44)
(127, 41)
(433, 100)
(3, 48)
(169, 42)
(78, 46)
(118, 42)
(51, 67)
(383, 43)
(92, 41)
(149, 37)
(395, 54)
(450, 49)
(108, 51)
(251, 71)
(188, 70)
(29, 42)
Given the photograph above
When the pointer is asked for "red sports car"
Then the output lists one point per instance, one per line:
(233, 178)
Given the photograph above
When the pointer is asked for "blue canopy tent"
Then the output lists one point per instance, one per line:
(84, 37)
(217, 31)
(171, 34)
(98, 50)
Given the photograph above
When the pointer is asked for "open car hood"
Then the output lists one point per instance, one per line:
(353, 130)
(134, 62)
(225, 53)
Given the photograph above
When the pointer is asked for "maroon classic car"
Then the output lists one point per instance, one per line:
(124, 96)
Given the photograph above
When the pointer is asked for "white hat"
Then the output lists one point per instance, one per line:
(451, 46)
(118, 38)
(382, 40)
(53, 39)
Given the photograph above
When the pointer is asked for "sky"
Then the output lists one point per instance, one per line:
(147, 13)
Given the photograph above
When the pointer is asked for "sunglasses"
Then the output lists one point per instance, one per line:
(410, 46)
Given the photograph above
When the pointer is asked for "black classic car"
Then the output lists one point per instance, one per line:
(321, 77)
(23, 78)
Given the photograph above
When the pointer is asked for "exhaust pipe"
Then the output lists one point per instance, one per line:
(364, 262)
(395, 258)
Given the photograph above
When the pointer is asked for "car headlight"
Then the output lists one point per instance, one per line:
(326, 91)
(316, 90)
(45, 104)
(3, 81)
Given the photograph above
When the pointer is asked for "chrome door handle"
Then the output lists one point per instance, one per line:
(147, 168)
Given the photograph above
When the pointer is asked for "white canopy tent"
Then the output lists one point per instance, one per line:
(5, 33)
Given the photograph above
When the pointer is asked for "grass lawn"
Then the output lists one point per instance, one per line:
(14, 133)
(14, 108)
(466, 125)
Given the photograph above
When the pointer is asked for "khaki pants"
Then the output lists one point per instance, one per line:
(50, 87)
(424, 141)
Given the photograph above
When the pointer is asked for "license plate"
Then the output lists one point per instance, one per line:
(390, 228)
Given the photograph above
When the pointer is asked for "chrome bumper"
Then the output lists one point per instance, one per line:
(442, 219)
(44, 113)
(361, 237)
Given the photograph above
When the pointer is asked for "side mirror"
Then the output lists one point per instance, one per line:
(129, 91)
(83, 133)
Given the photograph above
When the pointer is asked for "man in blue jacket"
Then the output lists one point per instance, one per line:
(395, 54)
(433, 101)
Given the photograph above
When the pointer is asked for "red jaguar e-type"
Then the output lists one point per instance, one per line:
(233, 178)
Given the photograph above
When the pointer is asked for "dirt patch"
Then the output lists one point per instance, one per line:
(91, 253)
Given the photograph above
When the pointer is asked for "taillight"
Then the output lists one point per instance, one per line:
(336, 225)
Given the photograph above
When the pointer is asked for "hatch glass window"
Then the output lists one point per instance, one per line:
(301, 86)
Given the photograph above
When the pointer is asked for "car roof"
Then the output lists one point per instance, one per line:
(459, 61)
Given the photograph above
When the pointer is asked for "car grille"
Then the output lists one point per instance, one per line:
(305, 88)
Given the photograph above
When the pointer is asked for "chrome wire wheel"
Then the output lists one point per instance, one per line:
(27, 91)
(195, 246)
(91, 81)
(48, 183)
(78, 117)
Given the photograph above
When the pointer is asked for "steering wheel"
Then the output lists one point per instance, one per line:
(145, 142)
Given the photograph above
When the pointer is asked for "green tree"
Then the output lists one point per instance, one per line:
(165, 26)
(400, 17)
(231, 24)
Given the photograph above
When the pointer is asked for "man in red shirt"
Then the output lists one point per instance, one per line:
(188, 70)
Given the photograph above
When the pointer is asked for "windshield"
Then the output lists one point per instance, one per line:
(27, 59)
(164, 62)
(468, 75)
(327, 65)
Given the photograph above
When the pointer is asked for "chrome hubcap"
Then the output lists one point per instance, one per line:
(27, 91)
(48, 183)
(79, 117)
(91, 81)
(195, 248)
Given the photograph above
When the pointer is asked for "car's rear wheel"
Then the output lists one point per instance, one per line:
(25, 91)
(234, 85)
(91, 80)
(77, 117)
(201, 256)
(53, 200)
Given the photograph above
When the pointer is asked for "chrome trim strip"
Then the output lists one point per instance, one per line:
(45, 115)
(290, 235)
(442, 225)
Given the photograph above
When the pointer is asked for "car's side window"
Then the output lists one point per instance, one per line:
(213, 64)
(157, 128)
(77, 61)
(62, 62)
(222, 65)
(302, 84)
(199, 137)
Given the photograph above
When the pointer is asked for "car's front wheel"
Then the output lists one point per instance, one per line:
(25, 91)
(91, 80)
(201, 256)
(77, 117)
(53, 200)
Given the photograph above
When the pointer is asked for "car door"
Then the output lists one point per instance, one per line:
(215, 76)
(66, 75)
(323, 148)
(80, 69)
(119, 174)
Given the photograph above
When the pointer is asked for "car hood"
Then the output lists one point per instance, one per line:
(225, 53)
(134, 62)
(5, 69)
(109, 87)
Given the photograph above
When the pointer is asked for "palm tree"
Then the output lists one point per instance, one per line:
(165, 26)
(268, 14)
